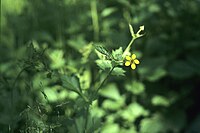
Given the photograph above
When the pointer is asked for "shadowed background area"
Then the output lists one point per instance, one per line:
(43, 37)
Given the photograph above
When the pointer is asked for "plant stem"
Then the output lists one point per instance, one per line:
(12, 99)
(95, 22)
(86, 120)
(127, 50)
(105, 79)
(83, 96)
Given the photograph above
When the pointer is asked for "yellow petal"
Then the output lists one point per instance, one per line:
(127, 63)
(133, 56)
(128, 58)
(133, 66)
(137, 61)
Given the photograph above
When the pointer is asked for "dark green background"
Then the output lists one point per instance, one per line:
(160, 96)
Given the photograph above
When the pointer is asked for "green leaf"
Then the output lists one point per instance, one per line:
(102, 50)
(71, 83)
(113, 105)
(117, 54)
(86, 51)
(77, 42)
(132, 129)
(110, 91)
(104, 64)
(160, 101)
(152, 125)
(133, 111)
(108, 11)
(110, 128)
(57, 59)
(158, 73)
(173, 121)
(135, 87)
(118, 71)
(85, 79)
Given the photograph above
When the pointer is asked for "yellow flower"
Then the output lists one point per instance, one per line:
(131, 60)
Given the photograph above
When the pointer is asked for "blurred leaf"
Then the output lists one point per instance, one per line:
(57, 59)
(180, 69)
(174, 122)
(85, 79)
(113, 105)
(153, 68)
(160, 101)
(110, 91)
(133, 111)
(108, 11)
(158, 73)
(135, 88)
(154, 8)
(110, 128)
(77, 43)
(152, 125)
(86, 51)
(130, 130)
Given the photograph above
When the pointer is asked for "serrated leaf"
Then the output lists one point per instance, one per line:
(118, 71)
(117, 54)
(71, 83)
(102, 50)
(104, 64)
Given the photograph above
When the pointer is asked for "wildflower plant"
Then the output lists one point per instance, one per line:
(119, 57)
(110, 62)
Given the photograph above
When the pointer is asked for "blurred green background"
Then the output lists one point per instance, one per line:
(160, 96)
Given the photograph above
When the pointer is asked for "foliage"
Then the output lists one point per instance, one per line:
(62, 66)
